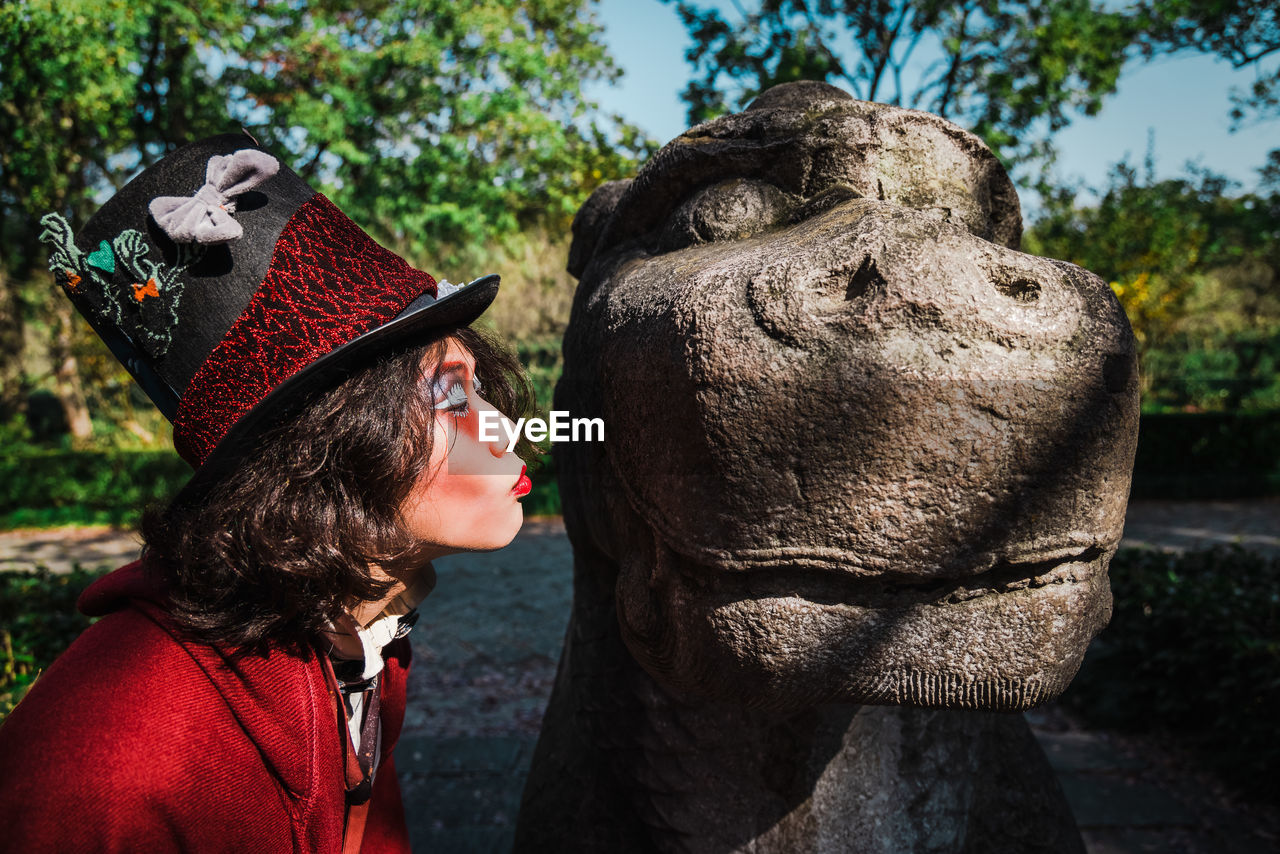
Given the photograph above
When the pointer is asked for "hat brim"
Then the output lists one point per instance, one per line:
(457, 309)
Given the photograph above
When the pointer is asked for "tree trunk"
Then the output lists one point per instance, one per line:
(11, 341)
(66, 372)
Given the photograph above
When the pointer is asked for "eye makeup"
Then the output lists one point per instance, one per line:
(450, 395)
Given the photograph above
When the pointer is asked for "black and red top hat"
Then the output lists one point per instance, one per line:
(230, 290)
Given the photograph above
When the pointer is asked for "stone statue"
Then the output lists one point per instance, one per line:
(865, 466)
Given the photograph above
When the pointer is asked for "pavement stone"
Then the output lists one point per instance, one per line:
(60, 548)
(1188, 525)
(1075, 752)
(1107, 801)
(462, 794)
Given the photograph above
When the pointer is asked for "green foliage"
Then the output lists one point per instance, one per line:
(38, 620)
(429, 121)
(435, 121)
(1009, 70)
(1197, 271)
(537, 291)
(89, 487)
(1216, 371)
(1192, 650)
(1207, 455)
(543, 360)
(439, 127)
(544, 498)
(89, 87)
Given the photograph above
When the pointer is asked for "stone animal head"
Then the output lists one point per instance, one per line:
(858, 446)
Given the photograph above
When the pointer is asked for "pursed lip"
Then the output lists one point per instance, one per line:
(522, 484)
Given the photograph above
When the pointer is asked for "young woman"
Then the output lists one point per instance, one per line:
(245, 685)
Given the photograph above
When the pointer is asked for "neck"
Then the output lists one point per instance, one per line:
(366, 612)
(409, 588)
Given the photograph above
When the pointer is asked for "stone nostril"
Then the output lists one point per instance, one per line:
(1020, 289)
(864, 279)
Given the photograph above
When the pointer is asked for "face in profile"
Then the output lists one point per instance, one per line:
(467, 498)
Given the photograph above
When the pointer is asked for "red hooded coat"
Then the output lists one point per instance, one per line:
(138, 738)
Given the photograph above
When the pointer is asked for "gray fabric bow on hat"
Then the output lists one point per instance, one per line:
(206, 217)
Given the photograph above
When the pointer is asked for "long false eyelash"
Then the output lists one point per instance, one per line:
(455, 400)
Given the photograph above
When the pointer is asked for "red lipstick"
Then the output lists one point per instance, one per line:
(523, 484)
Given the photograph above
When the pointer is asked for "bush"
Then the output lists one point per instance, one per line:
(38, 620)
(1192, 650)
(1216, 370)
(543, 361)
(85, 487)
(1207, 455)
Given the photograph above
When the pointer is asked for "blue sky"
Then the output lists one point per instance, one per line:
(1183, 100)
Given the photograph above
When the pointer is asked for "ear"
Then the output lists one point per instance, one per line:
(589, 223)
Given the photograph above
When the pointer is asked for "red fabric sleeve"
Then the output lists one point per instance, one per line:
(124, 745)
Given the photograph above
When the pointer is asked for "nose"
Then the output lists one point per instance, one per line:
(497, 445)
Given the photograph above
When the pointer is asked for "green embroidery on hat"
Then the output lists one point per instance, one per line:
(152, 297)
(71, 269)
(157, 289)
(102, 258)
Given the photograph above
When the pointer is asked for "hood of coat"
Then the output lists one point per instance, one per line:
(270, 696)
(114, 590)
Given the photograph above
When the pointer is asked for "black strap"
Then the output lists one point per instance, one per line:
(361, 793)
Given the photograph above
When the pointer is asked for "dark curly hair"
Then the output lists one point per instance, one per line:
(285, 540)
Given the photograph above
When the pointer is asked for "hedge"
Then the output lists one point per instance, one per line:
(38, 620)
(1207, 455)
(43, 488)
(112, 487)
(1192, 652)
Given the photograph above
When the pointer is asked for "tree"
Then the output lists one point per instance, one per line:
(1013, 72)
(432, 123)
(1244, 32)
(1196, 269)
(436, 121)
(89, 90)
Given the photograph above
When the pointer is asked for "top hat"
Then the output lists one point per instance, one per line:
(231, 291)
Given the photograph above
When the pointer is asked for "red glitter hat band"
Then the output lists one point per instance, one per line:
(327, 284)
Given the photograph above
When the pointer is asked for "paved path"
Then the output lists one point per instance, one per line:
(489, 638)
(1182, 525)
(1167, 525)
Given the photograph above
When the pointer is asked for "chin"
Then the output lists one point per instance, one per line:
(501, 532)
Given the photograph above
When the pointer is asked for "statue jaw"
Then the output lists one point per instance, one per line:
(784, 639)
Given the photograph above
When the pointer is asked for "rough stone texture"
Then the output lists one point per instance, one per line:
(860, 450)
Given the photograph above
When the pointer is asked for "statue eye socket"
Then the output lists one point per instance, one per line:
(731, 210)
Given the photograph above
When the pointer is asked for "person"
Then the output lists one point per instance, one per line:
(244, 686)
